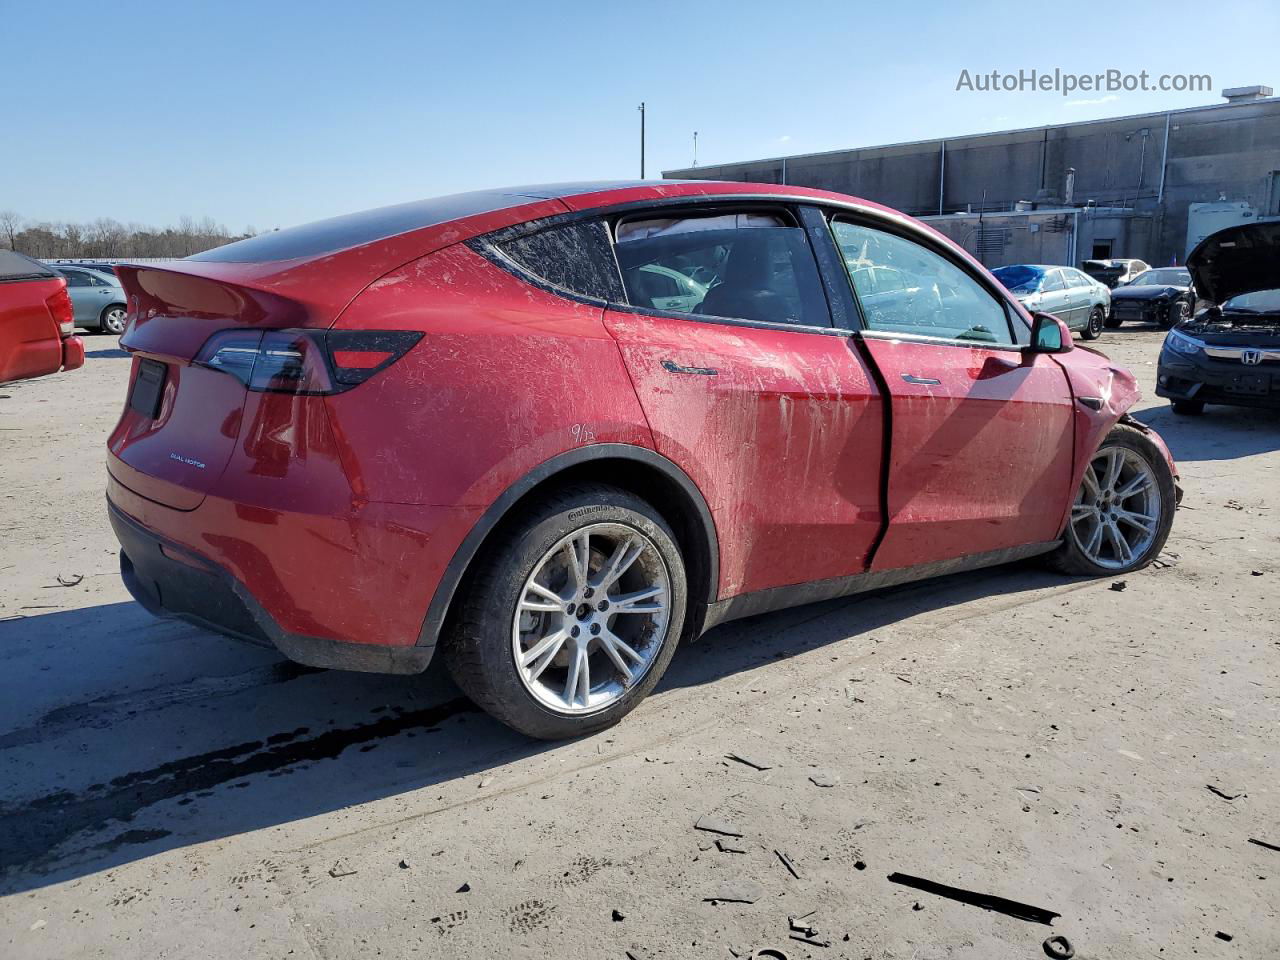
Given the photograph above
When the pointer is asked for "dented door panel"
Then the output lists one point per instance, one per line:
(781, 430)
(981, 453)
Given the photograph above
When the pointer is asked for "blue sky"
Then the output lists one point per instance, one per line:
(279, 112)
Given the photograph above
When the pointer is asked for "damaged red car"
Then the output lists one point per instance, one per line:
(550, 432)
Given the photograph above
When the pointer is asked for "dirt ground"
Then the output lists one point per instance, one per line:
(1103, 754)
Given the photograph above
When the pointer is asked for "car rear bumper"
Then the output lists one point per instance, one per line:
(1217, 381)
(172, 581)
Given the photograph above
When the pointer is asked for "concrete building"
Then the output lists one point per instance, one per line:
(1123, 187)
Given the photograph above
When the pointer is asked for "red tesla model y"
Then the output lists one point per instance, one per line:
(551, 431)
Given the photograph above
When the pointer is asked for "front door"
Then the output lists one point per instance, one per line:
(981, 452)
(752, 393)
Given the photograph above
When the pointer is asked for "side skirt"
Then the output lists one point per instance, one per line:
(795, 595)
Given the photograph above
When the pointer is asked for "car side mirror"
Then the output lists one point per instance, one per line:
(1050, 335)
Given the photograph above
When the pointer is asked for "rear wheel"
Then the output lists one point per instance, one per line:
(1093, 329)
(112, 319)
(1188, 408)
(573, 617)
(1123, 510)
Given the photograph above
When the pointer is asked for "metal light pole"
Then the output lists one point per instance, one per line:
(641, 139)
(695, 148)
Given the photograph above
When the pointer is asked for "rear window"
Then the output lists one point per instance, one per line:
(15, 266)
(576, 257)
(356, 229)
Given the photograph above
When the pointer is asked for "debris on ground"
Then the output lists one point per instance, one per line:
(1166, 560)
(1222, 793)
(741, 890)
(618, 916)
(71, 581)
(759, 763)
(340, 869)
(404, 864)
(716, 825)
(1255, 573)
(824, 778)
(987, 901)
(1224, 936)
(727, 846)
(786, 862)
(1059, 947)
(1119, 585)
(1263, 843)
(465, 888)
(798, 929)
(917, 905)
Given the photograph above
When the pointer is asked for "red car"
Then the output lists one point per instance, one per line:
(554, 430)
(36, 320)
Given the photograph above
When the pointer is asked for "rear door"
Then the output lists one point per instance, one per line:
(981, 452)
(1056, 297)
(752, 391)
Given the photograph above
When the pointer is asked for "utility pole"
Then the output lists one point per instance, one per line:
(695, 148)
(641, 139)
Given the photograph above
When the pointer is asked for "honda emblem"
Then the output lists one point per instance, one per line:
(1251, 358)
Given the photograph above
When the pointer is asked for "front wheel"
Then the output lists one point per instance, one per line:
(572, 618)
(1123, 510)
(1093, 329)
(1177, 313)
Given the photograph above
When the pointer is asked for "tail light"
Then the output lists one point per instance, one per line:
(59, 304)
(309, 362)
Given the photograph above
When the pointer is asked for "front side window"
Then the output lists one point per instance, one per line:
(742, 266)
(926, 294)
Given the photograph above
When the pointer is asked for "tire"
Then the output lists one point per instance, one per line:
(1179, 310)
(1093, 329)
(1188, 408)
(481, 643)
(112, 319)
(1139, 455)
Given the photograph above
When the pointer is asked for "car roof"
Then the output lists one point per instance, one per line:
(336, 234)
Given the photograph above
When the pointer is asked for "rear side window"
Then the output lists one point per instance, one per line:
(77, 279)
(743, 266)
(574, 257)
(1052, 281)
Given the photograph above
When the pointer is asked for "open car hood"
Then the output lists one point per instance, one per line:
(1237, 260)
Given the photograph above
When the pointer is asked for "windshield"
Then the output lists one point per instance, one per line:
(1260, 301)
(1019, 278)
(1166, 277)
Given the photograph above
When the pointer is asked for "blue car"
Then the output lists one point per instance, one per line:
(97, 297)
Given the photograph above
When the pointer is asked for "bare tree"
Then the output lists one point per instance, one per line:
(10, 224)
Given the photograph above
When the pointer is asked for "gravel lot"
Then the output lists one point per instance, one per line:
(1104, 754)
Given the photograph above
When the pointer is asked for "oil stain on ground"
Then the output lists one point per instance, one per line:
(30, 833)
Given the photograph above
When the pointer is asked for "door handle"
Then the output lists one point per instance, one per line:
(928, 381)
(672, 367)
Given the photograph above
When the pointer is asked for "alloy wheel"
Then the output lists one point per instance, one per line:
(1116, 514)
(113, 320)
(591, 618)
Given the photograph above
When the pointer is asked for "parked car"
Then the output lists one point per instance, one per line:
(462, 424)
(99, 265)
(97, 297)
(1163, 296)
(36, 325)
(1229, 352)
(1080, 302)
(1113, 273)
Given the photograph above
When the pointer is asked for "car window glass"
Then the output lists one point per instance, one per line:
(1052, 281)
(1075, 278)
(743, 266)
(574, 256)
(930, 295)
(75, 278)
